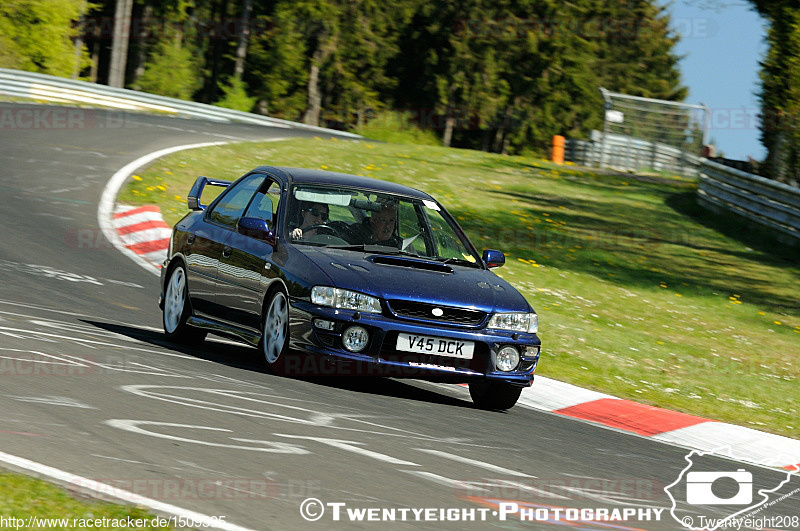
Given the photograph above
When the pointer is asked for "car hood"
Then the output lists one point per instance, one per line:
(409, 278)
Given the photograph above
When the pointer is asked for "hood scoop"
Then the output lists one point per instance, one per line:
(400, 261)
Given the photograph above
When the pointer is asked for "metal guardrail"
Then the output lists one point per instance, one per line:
(770, 203)
(627, 153)
(764, 201)
(30, 85)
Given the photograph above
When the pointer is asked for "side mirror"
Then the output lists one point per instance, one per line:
(493, 258)
(256, 228)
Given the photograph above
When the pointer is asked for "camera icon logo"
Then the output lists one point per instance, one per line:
(699, 491)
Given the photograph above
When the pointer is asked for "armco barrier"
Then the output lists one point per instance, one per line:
(764, 201)
(770, 203)
(35, 86)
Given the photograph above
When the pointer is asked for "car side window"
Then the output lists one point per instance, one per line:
(265, 203)
(231, 206)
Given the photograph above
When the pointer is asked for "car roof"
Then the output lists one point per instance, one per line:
(308, 176)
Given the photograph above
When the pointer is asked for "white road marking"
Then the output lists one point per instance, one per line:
(102, 489)
(43, 308)
(47, 272)
(48, 358)
(133, 461)
(123, 283)
(272, 447)
(474, 462)
(171, 394)
(24, 337)
(52, 401)
(350, 446)
(90, 342)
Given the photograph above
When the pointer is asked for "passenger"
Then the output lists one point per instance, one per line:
(311, 214)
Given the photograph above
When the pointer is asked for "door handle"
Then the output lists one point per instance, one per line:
(190, 239)
(226, 252)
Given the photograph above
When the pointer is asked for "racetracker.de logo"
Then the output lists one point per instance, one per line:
(45, 118)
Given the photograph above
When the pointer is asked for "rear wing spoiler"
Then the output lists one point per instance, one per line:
(193, 199)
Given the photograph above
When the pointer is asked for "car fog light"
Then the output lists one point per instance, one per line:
(507, 358)
(355, 338)
(322, 324)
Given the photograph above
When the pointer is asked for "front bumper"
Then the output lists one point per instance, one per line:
(380, 357)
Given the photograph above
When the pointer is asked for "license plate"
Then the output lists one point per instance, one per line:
(435, 346)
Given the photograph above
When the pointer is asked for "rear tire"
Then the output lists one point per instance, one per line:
(494, 395)
(177, 310)
(274, 344)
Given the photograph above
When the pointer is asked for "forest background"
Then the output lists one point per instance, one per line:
(501, 76)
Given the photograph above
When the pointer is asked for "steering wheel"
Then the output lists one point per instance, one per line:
(322, 229)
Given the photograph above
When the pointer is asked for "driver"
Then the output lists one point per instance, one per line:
(379, 228)
(311, 214)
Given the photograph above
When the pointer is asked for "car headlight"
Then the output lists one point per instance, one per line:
(344, 299)
(516, 322)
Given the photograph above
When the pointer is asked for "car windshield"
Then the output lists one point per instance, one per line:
(378, 222)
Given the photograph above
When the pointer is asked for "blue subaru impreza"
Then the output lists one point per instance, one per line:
(328, 273)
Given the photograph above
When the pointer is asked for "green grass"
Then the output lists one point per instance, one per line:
(22, 497)
(640, 293)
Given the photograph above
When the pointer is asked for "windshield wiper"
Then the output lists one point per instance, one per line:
(369, 248)
(377, 249)
(459, 261)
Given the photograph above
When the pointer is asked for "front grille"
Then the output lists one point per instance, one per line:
(424, 311)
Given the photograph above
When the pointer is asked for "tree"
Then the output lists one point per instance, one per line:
(780, 90)
(277, 64)
(234, 96)
(173, 64)
(449, 70)
(170, 71)
(38, 36)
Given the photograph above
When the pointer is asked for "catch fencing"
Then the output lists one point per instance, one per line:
(626, 153)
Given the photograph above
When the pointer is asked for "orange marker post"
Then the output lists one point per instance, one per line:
(558, 149)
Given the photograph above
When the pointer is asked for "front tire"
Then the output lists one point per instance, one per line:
(177, 309)
(275, 333)
(494, 395)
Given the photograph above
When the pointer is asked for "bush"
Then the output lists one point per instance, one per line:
(235, 96)
(171, 70)
(398, 128)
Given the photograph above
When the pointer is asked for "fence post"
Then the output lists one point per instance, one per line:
(654, 157)
(557, 155)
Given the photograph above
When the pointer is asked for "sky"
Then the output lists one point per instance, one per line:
(722, 43)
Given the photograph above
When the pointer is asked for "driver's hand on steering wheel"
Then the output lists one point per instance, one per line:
(296, 234)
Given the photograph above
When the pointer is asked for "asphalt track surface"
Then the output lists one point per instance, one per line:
(89, 385)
